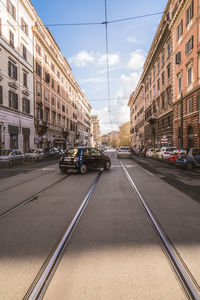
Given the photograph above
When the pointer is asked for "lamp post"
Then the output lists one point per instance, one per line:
(181, 131)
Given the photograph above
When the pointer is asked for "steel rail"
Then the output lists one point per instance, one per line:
(25, 181)
(189, 285)
(31, 198)
(39, 285)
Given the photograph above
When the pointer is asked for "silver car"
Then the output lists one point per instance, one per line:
(11, 157)
(124, 151)
(34, 154)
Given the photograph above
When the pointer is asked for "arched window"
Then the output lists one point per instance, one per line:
(190, 137)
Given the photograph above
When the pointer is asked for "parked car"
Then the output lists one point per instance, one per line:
(34, 154)
(150, 152)
(143, 153)
(173, 157)
(165, 152)
(11, 157)
(124, 151)
(189, 158)
(55, 153)
(155, 153)
(83, 159)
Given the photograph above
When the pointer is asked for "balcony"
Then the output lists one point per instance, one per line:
(41, 126)
(152, 118)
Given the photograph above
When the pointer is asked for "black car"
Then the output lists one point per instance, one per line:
(83, 159)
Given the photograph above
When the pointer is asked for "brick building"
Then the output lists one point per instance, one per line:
(186, 106)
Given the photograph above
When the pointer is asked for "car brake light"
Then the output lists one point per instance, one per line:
(75, 159)
(120, 150)
(166, 152)
(61, 158)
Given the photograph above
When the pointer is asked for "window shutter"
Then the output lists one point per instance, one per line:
(10, 99)
(177, 33)
(9, 68)
(28, 106)
(181, 27)
(1, 94)
(192, 42)
(15, 72)
(14, 12)
(198, 102)
(8, 5)
(192, 9)
(16, 101)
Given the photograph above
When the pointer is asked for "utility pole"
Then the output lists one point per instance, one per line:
(181, 131)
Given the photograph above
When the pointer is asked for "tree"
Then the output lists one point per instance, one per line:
(124, 134)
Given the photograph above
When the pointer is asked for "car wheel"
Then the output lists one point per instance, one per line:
(63, 170)
(189, 166)
(107, 165)
(10, 163)
(82, 169)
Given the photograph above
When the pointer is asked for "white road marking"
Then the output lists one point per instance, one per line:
(48, 169)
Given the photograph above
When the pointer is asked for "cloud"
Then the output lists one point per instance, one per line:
(131, 39)
(112, 58)
(82, 58)
(119, 111)
(137, 59)
(93, 80)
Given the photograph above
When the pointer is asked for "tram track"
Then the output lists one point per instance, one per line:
(30, 198)
(185, 277)
(40, 283)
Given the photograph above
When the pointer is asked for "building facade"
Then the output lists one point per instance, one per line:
(16, 75)
(62, 112)
(186, 102)
(95, 131)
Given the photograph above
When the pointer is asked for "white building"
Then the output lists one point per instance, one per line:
(16, 75)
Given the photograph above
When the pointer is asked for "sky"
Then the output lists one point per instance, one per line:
(85, 48)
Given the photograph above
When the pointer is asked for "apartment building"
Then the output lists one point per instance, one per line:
(186, 106)
(16, 75)
(62, 112)
(95, 131)
(151, 105)
(137, 116)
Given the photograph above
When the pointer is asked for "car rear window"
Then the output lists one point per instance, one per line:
(125, 148)
(184, 151)
(5, 152)
(169, 149)
(71, 152)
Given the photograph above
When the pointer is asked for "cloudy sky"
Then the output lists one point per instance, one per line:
(85, 48)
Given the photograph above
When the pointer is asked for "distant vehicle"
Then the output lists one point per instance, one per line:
(150, 152)
(34, 154)
(55, 152)
(173, 157)
(11, 157)
(165, 152)
(189, 158)
(83, 159)
(124, 152)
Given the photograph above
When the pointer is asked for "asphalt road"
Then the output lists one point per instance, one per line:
(113, 253)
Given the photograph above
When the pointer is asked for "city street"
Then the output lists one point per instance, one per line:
(113, 251)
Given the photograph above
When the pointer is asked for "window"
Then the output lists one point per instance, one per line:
(163, 58)
(179, 30)
(63, 108)
(46, 96)
(158, 103)
(59, 120)
(24, 53)
(154, 73)
(47, 77)
(58, 89)
(180, 84)
(168, 71)
(0, 28)
(189, 106)
(163, 78)
(53, 118)
(189, 46)
(38, 69)
(45, 59)
(12, 70)
(52, 67)
(158, 84)
(24, 26)
(154, 91)
(189, 13)
(26, 105)
(1, 94)
(38, 90)
(13, 100)
(11, 34)
(52, 83)
(197, 102)
(168, 49)
(158, 67)
(163, 100)
(58, 105)
(178, 58)
(169, 94)
(52, 101)
(47, 115)
(11, 9)
(38, 49)
(39, 114)
(58, 74)
(189, 75)
(24, 79)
